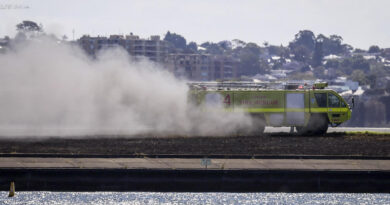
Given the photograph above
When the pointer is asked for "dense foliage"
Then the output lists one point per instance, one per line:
(318, 56)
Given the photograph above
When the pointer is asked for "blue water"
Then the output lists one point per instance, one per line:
(75, 198)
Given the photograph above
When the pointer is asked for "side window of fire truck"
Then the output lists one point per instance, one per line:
(321, 99)
(334, 101)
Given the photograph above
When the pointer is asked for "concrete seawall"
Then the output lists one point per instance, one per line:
(190, 174)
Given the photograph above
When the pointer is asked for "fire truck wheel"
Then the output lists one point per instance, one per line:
(299, 129)
(259, 129)
(318, 125)
(258, 124)
(321, 126)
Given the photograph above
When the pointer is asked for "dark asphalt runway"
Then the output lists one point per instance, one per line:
(20, 132)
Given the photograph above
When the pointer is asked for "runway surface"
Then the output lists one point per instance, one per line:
(21, 132)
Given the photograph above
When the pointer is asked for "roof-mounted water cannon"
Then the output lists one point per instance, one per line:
(321, 85)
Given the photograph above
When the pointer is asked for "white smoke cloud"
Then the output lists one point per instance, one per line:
(48, 88)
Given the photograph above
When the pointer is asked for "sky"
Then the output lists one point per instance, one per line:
(361, 23)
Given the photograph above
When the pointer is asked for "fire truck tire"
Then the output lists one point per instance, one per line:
(300, 129)
(258, 124)
(322, 126)
(318, 125)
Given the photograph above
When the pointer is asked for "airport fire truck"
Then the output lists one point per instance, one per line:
(309, 107)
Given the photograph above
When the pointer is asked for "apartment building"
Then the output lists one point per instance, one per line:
(225, 67)
(153, 48)
(196, 67)
(202, 67)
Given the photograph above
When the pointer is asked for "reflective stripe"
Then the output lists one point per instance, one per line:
(204, 109)
(325, 109)
(342, 109)
(260, 109)
(331, 109)
(279, 110)
(295, 110)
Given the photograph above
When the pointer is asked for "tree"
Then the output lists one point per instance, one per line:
(332, 64)
(371, 80)
(347, 48)
(333, 45)
(253, 48)
(301, 53)
(318, 53)
(238, 43)
(279, 51)
(358, 50)
(28, 26)
(374, 49)
(212, 48)
(358, 62)
(359, 76)
(28, 29)
(250, 60)
(377, 71)
(304, 38)
(386, 101)
(176, 40)
(386, 53)
(226, 45)
(303, 46)
(347, 62)
(192, 46)
(345, 66)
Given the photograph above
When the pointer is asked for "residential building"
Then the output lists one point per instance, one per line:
(152, 48)
(225, 67)
(202, 67)
(196, 67)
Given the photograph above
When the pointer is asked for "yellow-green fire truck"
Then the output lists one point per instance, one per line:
(308, 108)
